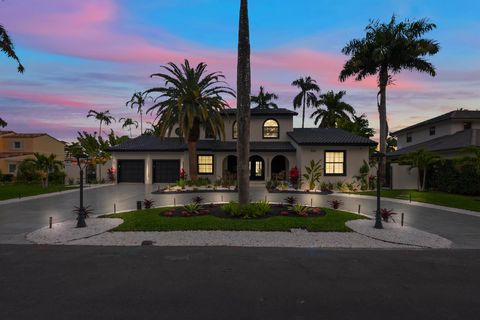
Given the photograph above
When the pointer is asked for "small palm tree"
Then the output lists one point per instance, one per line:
(471, 156)
(264, 100)
(128, 123)
(3, 123)
(138, 101)
(190, 99)
(387, 49)
(306, 97)
(6, 46)
(313, 173)
(335, 109)
(45, 165)
(101, 117)
(421, 159)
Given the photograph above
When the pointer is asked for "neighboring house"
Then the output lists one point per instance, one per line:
(275, 148)
(16, 147)
(445, 135)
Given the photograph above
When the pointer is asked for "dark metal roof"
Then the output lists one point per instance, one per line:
(154, 144)
(450, 142)
(264, 112)
(328, 136)
(452, 115)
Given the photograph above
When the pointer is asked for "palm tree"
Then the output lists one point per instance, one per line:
(244, 86)
(138, 101)
(387, 49)
(102, 117)
(358, 125)
(335, 109)
(190, 99)
(306, 97)
(128, 123)
(45, 165)
(264, 100)
(7, 47)
(3, 123)
(421, 159)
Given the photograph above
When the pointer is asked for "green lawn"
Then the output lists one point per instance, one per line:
(152, 220)
(439, 198)
(16, 190)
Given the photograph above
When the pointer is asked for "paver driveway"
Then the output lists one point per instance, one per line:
(17, 219)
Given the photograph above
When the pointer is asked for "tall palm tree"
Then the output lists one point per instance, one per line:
(335, 109)
(264, 100)
(387, 49)
(102, 117)
(138, 100)
(128, 123)
(6, 46)
(190, 99)
(421, 159)
(244, 86)
(3, 123)
(306, 97)
(45, 165)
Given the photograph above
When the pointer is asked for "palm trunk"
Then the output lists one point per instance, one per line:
(141, 123)
(382, 111)
(192, 159)
(243, 105)
(303, 112)
(100, 129)
(424, 179)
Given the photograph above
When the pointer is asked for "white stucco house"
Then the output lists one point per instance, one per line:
(275, 147)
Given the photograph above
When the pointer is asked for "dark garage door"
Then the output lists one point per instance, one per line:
(166, 171)
(131, 171)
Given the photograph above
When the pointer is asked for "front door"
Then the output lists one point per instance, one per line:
(257, 168)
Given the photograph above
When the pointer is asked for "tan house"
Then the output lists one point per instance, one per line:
(16, 147)
(275, 148)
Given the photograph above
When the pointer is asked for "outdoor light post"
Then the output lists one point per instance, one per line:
(378, 218)
(81, 212)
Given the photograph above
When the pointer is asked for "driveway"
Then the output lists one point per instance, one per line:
(17, 219)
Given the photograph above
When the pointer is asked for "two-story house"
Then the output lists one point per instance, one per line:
(16, 147)
(445, 135)
(275, 147)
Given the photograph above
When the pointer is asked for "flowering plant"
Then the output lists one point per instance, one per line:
(294, 175)
(183, 174)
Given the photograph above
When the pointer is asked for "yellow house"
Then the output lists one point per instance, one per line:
(16, 147)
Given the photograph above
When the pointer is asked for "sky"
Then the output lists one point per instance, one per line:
(94, 54)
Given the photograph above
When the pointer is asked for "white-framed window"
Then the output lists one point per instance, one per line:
(335, 163)
(12, 167)
(205, 164)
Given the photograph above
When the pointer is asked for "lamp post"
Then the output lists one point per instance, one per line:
(81, 212)
(378, 218)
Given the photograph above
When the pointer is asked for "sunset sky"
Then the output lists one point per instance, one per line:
(80, 55)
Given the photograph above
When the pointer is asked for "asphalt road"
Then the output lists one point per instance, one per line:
(65, 282)
(17, 219)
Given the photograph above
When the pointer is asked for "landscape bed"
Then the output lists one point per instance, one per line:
(325, 220)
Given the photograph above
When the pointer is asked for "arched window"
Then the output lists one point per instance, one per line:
(271, 129)
(234, 130)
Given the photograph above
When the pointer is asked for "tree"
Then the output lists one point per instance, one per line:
(45, 165)
(420, 159)
(138, 101)
(243, 106)
(471, 156)
(128, 123)
(101, 117)
(7, 47)
(190, 99)
(264, 100)
(306, 97)
(335, 109)
(392, 143)
(3, 123)
(386, 50)
(358, 125)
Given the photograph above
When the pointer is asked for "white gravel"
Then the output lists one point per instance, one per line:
(64, 232)
(395, 233)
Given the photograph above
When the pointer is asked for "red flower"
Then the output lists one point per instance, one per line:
(182, 173)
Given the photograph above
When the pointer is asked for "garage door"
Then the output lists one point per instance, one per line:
(131, 171)
(166, 171)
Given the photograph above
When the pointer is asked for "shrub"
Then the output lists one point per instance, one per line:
(182, 183)
(299, 209)
(314, 172)
(340, 185)
(351, 186)
(168, 214)
(271, 184)
(27, 172)
(57, 177)
(111, 175)
(201, 182)
(362, 176)
(294, 175)
(7, 177)
(290, 200)
(251, 210)
(335, 204)
(148, 203)
(318, 212)
(387, 214)
(192, 208)
(197, 199)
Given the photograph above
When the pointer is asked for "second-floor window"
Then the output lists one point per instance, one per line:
(271, 129)
(467, 125)
(432, 131)
(17, 144)
(234, 130)
(409, 137)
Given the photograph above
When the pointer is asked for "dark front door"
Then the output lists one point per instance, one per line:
(131, 171)
(166, 171)
(257, 168)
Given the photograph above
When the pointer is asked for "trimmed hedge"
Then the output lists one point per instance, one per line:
(449, 176)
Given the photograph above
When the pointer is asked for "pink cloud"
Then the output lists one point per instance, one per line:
(43, 98)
